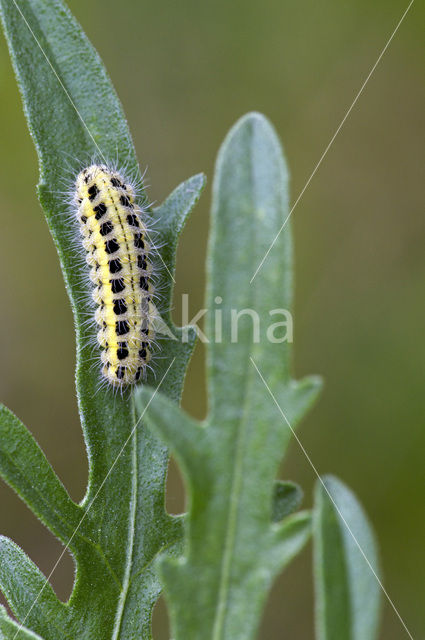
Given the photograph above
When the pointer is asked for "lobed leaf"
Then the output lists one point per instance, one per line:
(216, 589)
(75, 117)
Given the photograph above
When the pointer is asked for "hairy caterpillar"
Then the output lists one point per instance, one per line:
(117, 251)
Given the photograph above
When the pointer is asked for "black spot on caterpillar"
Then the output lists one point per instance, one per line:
(115, 265)
(103, 199)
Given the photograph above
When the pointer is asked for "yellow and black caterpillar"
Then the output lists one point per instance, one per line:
(114, 237)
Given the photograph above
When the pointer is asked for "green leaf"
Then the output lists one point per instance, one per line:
(154, 529)
(287, 498)
(10, 630)
(233, 550)
(25, 468)
(116, 533)
(23, 584)
(348, 593)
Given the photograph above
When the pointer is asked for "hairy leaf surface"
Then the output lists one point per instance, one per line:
(75, 117)
(234, 546)
(348, 595)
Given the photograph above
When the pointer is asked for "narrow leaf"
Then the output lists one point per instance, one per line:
(291, 534)
(23, 584)
(24, 466)
(345, 561)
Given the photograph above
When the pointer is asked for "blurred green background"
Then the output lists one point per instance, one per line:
(185, 71)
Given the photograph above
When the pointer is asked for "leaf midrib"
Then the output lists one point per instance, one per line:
(231, 519)
(131, 534)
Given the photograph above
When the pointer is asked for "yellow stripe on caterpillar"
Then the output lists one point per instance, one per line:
(114, 237)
